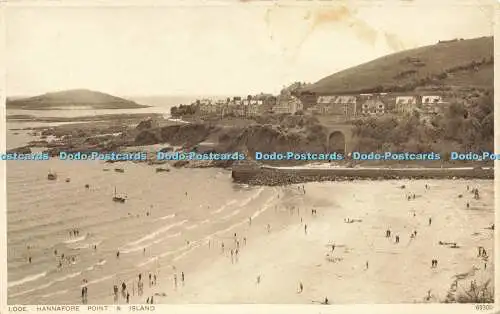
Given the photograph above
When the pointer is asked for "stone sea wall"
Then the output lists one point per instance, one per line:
(281, 176)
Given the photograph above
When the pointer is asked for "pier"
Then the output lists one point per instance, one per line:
(272, 176)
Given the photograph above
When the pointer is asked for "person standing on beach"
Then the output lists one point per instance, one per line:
(236, 252)
(154, 280)
(140, 288)
(397, 239)
(301, 287)
(128, 298)
(268, 228)
(83, 295)
(150, 282)
(430, 221)
(366, 265)
(182, 278)
(245, 241)
(175, 281)
(115, 293)
(124, 289)
(249, 221)
(232, 259)
(258, 279)
(222, 247)
(305, 229)
(118, 254)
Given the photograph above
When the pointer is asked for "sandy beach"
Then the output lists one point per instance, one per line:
(288, 256)
(165, 229)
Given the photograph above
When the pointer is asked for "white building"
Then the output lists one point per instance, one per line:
(288, 105)
(432, 104)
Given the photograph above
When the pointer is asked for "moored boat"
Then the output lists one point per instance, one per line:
(52, 176)
(118, 199)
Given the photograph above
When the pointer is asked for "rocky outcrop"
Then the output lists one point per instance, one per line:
(147, 137)
(145, 124)
(187, 134)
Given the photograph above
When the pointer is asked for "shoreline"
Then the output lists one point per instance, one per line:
(274, 176)
(269, 255)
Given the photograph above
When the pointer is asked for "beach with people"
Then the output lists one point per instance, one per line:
(194, 236)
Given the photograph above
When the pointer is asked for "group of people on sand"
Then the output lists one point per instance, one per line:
(74, 233)
(474, 191)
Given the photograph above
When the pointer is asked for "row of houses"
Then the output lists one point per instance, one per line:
(377, 104)
(249, 107)
(348, 106)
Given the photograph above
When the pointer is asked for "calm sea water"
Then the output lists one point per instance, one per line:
(41, 213)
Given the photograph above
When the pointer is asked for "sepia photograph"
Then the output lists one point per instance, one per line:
(250, 152)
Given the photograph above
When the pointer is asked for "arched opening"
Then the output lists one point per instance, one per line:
(336, 142)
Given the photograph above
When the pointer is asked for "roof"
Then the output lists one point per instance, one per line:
(406, 100)
(432, 99)
(345, 100)
(336, 99)
(326, 99)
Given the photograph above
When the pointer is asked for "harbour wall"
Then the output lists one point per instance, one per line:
(273, 176)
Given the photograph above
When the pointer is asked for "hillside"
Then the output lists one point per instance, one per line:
(73, 98)
(456, 63)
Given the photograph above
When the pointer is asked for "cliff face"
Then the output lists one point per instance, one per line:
(263, 138)
(188, 134)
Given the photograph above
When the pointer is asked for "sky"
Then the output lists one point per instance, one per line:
(221, 48)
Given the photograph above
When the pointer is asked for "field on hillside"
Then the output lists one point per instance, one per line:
(457, 63)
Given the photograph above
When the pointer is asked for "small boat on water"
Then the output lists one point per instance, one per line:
(121, 170)
(118, 199)
(52, 176)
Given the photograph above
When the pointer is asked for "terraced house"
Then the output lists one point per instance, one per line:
(373, 107)
(406, 104)
(433, 104)
(287, 104)
(336, 105)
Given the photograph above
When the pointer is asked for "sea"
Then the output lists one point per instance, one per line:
(160, 215)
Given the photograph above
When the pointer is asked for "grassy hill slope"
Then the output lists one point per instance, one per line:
(72, 98)
(460, 63)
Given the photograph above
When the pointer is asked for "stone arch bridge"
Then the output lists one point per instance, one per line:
(340, 137)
